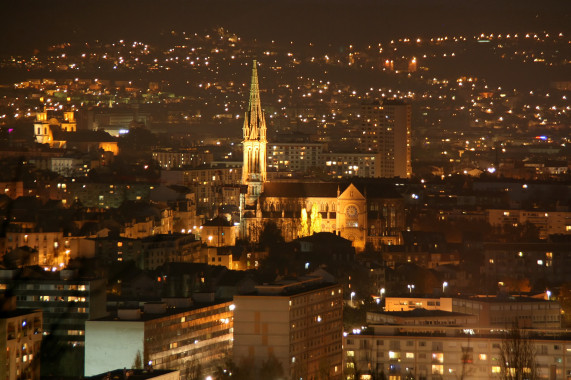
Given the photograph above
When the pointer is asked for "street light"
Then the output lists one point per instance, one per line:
(352, 295)
(381, 292)
(444, 285)
(410, 288)
(548, 294)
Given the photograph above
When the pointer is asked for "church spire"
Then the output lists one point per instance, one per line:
(254, 122)
(254, 144)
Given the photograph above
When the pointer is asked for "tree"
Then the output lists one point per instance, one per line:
(193, 370)
(271, 235)
(303, 225)
(564, 299)
(138, 362)
(271, 368)
(227, 369)
(517, 356)
(316, 220)
(352, 371)
(467, 360)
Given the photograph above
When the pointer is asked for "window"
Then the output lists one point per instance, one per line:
(438, 357)
(467, 355)
(437, 369)
(394, 355)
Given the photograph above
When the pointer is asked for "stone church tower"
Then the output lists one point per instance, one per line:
(254, 144)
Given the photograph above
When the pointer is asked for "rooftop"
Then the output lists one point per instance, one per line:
(291, 286)
(420, 312)
(156, 310)
(131, 374)
(5, 314)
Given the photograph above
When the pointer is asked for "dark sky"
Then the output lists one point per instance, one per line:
(30, 24)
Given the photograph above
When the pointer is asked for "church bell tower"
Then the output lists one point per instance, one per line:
(254, 143)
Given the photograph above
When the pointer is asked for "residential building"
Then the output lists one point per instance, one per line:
(210, 184)
(21, 335)
(65, 299)
(446, 353)
(353, 164)
(51, 246)
(219, 232)
(505, 262)
(492, 311)
(386, 130)
(547, 222)
(12, 189)
(420, 316)
(503, 311)
(415, 302)
(295, 156)
(173, 334)
(106, 195)
(169, 159)
(297, 321)
(172, 248)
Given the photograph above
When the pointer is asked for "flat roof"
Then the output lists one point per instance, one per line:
(149, 316)
(132, 374)
(17, 313)
(420, 312)
(291, 287)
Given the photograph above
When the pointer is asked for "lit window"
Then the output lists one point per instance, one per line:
(394, 355)
(483, 357)
(437, 369)
(439, 357)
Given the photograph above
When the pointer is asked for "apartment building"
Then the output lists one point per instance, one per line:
(65, 299)
(172, 334)
(299, 322)
(445, 353)
(21, 334)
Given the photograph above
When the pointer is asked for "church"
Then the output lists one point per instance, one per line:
(368, 212)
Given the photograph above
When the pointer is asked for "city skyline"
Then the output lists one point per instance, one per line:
(216, 190)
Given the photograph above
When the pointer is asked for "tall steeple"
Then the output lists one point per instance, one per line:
(255, 123)
(254, 143)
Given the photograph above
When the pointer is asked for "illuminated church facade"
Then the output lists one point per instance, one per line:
(365, 212)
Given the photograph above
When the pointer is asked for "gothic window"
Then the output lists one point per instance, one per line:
(351, 216)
